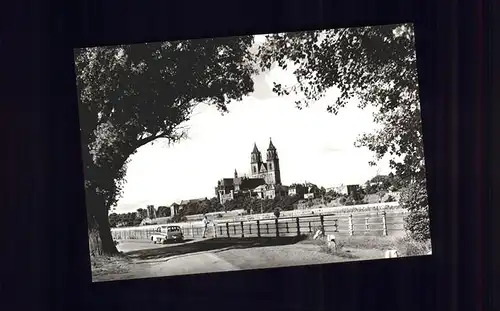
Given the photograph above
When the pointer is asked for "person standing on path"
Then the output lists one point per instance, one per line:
(205, 225)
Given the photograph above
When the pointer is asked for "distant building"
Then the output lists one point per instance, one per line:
(340, 189)
(308, 196)
(299, 190)
(151, 212)
(264, 180)
(264, 192)
(353, 190)
(174, 209)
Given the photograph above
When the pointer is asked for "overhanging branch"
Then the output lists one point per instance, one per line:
(146, 140)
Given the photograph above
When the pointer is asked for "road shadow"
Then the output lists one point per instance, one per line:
(144, 241)
(212, 245)
(171, 242)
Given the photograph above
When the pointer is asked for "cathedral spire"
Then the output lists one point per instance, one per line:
(272, 154)
(271, 146)
(235, 173)
(255, 149)
(256, 155)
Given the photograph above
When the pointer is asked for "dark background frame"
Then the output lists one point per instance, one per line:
(45, 184)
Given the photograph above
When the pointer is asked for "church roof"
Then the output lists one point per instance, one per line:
(263, 168)
(227, 182)
(251, 183)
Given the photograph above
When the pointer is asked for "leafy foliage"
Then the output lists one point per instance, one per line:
(124, 220)
(378, 66)
(163, 211)
(203, 207)
(409, 247)
(142, 213)
(414, 199)
(131, 95)
(180, 217)
(383, 183)
(375, 64)
(349, 201)
(254, 205)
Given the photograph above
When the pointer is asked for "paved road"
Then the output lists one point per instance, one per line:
(205, 262)
(221, 260)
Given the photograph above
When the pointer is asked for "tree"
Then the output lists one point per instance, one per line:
(114, 219)
(215, 205)
(179, 217)
(142, 213)
(332, 194)
(132, 95)
(375, 64)
(349, 201)
(414, 199)
(381, 194)
(163, 211)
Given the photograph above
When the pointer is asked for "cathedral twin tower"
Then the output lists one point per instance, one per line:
(264, 180)
(269, 170)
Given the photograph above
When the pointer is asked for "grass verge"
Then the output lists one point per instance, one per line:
(337, 250)
(404, 245)
(104, 264)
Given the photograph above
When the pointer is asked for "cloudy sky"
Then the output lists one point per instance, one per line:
(312, 145)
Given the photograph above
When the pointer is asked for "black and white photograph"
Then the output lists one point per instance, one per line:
(252, 152)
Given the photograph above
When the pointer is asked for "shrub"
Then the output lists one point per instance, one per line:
(349, 201)
(414, 200)
(409, 247)
(338, 250)
(179, 218)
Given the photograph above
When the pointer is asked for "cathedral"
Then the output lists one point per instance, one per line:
(264, 181)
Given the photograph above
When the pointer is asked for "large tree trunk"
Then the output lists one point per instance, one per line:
(99, 212)
(108, 246)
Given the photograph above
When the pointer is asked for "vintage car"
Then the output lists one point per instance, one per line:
(166, 234)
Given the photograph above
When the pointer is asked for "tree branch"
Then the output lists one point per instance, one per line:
(146, 140)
